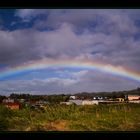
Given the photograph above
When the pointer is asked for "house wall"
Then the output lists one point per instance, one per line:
(137, 101)
(8, 100)
(72, 97)
(120, 99)
(89, 102)
(14, 107)
(77, 102)
(133, 97)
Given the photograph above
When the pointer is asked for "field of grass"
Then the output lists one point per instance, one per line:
(121, 117)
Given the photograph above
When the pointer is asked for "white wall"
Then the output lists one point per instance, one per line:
(90, 102)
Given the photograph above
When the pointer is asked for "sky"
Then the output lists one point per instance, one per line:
(54, 51)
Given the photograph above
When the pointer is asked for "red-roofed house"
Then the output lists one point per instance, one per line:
(12, 105)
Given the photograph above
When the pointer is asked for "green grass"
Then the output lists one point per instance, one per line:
(121, 117)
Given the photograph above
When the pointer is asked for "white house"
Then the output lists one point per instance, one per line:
(97, 98)
(8, 100)
(73, 97)
(133, 97)
(87, 102)
(77, 102)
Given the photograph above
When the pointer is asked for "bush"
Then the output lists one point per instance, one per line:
(3, 124)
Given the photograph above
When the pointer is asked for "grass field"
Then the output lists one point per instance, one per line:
(121, 117)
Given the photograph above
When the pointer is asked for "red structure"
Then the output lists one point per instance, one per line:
(12, 105)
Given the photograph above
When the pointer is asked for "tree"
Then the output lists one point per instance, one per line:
(1, 98)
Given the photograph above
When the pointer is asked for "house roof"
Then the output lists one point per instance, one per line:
(11, 104)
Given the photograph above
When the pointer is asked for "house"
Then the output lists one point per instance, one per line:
(77, 102)
(41, 102)
(73, 97)
(133, 97)
(120, 99)
(12, 105)
(87, 102)
(97, 98)
(8, 100)
(21, 100)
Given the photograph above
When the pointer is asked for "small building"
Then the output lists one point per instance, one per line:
(133, 97)
(87, 102)
(120, 99)
(77, 102)
(21, 100)
(73, 97)
(98, 98)
(8, 100)
(12, 105)
(42, 102)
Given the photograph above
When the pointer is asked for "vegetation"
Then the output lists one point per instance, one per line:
(54, 99)
(116, 117)
(1, 98)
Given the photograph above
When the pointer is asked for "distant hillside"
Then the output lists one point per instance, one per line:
(65, 97)
(109, 94)
(135, 91)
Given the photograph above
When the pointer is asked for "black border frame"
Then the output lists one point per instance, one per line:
(54, 4)
(70, 4)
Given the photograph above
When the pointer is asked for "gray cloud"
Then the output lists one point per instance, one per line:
(108, 36)
(17, 47)
(109, 20)
(89, 81)
(21, 46)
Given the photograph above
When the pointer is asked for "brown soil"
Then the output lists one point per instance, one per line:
(57, 126)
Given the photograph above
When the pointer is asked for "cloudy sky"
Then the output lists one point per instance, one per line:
(108, 36)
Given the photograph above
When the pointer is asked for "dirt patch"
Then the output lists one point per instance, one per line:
(57, 126)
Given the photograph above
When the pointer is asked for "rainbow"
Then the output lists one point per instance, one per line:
(88, 64)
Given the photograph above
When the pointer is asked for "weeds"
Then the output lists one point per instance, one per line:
(121, 117)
